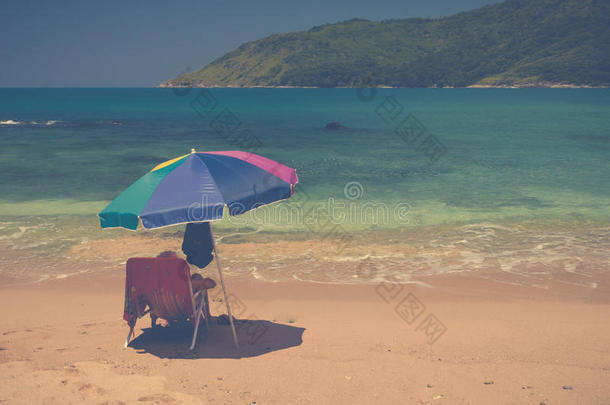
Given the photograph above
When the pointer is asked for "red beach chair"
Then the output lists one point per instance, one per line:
(162, 286)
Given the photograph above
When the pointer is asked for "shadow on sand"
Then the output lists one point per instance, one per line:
(256, 337)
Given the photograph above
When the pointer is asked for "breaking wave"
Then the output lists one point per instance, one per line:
(30, 123)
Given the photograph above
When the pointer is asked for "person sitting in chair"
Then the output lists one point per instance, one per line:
(200, 283)
(197, 280)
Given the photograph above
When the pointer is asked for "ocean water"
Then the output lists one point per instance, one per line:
(495, 182)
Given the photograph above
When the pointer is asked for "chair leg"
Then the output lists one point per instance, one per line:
(129, 336)
(197, 319)
(206, 306)
(153, 321)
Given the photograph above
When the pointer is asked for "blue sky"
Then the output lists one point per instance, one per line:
(87, 43)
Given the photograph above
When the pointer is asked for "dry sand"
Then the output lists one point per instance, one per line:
(61, 342)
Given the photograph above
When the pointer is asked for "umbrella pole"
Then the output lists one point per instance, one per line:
(224, 289)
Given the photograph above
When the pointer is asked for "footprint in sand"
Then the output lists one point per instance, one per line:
(158, 399)
(72, 369)
(91, 388)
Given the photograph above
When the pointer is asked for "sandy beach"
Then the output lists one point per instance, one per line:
(307, 343)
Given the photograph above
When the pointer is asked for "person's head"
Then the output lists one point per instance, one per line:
(167, 253)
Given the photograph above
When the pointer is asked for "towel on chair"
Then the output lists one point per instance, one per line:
(160, 284)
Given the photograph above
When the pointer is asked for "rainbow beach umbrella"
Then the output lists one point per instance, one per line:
(196, 188)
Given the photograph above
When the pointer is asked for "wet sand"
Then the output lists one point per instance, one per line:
(61, 342)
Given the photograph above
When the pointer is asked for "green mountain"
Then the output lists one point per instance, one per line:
(516, 42)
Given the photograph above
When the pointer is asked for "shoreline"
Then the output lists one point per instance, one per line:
(445, 287)
(543, 85)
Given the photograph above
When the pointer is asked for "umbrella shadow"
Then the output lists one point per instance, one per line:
(256, 337)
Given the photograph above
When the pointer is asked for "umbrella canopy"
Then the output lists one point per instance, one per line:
(196, 187)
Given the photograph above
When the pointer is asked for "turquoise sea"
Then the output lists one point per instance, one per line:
(471, 180)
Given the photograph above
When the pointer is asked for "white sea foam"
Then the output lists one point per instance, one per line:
(35, 123)
(47, 123)
(14, 235)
